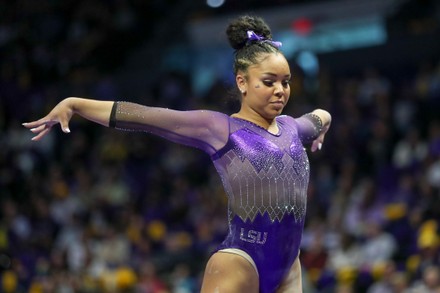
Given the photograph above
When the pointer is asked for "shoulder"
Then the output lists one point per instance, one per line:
(287, 121)
(213, 118)
(285, 118)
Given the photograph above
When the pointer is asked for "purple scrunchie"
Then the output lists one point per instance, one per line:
(252, 36)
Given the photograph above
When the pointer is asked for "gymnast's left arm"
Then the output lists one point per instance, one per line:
(326, 120)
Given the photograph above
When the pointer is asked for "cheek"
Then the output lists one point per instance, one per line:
(263, 93)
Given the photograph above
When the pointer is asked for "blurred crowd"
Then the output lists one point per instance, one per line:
(101, 210)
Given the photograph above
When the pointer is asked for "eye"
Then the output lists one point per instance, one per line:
(268, 82)
(286, 83)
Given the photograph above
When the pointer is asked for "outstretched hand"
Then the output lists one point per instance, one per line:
(61, 113)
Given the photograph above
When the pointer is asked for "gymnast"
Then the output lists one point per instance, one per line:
(258, 152)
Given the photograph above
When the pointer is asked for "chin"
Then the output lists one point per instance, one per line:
(278, 113)
(272, 116)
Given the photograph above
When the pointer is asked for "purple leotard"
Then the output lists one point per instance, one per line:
(265, 176)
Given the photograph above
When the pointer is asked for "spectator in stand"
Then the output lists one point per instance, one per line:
(379, 246)
(410, 151)
(346, 255)
(430, 281)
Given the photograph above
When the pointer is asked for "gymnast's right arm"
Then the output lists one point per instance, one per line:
(203, 129)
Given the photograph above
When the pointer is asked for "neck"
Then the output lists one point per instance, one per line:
(269, 124)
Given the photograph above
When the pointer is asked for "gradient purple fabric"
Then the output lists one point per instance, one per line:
(266, 177)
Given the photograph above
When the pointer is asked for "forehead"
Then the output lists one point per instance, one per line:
(273, 63)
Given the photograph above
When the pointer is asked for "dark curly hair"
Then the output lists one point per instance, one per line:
(247, 53)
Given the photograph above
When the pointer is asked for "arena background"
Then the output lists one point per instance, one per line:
(100, 210)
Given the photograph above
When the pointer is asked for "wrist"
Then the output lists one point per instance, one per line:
(325, 116)
(71, 103)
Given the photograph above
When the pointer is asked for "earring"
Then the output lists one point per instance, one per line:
(242, 91)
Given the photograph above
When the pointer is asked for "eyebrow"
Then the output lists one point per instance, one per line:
(276, 75)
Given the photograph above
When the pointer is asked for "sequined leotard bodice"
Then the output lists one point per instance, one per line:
(265, 176)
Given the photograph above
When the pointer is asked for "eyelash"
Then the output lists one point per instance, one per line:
(270, 83)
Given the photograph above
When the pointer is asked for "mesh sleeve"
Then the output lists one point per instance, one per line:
(309, 127)
(203, 129)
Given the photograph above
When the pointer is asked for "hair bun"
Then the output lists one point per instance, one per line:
(237, 30)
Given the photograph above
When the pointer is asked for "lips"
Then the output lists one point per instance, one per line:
(278, 102)
(278, 105)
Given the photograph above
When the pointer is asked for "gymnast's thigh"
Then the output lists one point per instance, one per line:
(293, 281)
(229, 273)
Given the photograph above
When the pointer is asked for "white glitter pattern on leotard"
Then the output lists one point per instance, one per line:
(254, 187)
(266, 192)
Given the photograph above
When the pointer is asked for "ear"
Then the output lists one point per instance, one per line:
(240, 79)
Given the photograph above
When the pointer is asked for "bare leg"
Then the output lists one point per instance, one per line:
(229, 273)
(293, 282)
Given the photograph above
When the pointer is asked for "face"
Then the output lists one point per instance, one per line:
(266, 87)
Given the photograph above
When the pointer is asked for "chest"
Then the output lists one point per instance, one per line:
(264, 150)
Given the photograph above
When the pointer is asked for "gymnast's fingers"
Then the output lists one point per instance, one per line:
(35, 124)
(64, 123)
(41, 133)
(316, 145)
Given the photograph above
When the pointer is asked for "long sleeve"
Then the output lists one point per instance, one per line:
(309, 127)
(203, 129)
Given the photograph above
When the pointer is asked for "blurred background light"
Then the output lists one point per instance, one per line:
(215, 3)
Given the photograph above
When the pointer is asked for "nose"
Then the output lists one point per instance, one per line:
(279, 90)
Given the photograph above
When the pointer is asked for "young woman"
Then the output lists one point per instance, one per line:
(258, 153)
